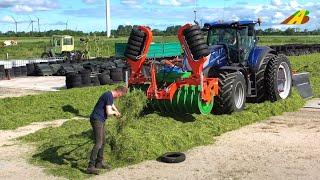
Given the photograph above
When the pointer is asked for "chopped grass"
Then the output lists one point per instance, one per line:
(65, 151)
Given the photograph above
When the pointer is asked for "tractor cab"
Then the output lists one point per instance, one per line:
(61, 44)
(238, 38)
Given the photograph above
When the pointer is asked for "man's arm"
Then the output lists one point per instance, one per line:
(111, 111)
(115, 108)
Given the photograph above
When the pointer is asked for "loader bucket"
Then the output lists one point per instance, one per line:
(302, 83)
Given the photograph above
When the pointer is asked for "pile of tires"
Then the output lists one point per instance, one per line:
(196, 42)
(43, 69)
(65, 69)
(117, 74)
(2, 72)
(24, 71)
(16, 71)
(55, 68)
(73, 80)
(105, 79)
(85, 78)
(31, 69)
(135, 44)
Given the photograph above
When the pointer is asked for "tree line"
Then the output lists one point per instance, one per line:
(124, 31)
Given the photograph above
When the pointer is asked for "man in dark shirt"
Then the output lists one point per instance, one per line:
(102, 110)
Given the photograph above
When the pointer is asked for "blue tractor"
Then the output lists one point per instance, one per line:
(245, 71)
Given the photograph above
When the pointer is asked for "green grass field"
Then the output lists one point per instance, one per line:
(33, 47)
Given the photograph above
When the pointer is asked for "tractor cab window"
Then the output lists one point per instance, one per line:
(57, 42)
(222, 36)
(67, 41)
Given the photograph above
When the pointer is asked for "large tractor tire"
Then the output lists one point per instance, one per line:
(196, 42)
(232, 93)
(135, 44)
(278, 77)
(260, 79)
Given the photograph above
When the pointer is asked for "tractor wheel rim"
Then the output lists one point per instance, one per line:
(239, 95)
(284, 80)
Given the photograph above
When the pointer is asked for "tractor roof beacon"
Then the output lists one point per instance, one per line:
(235, 56)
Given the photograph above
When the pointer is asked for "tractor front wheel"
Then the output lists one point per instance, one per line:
(232, 93)
(278, 78)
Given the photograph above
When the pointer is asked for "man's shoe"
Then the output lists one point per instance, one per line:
(101, 165)
(92, 170)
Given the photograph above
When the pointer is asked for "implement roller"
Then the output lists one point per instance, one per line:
(182, 92)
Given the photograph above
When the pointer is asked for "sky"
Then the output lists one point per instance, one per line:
(89, 15)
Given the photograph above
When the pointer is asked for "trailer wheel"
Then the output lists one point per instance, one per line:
(45, 55)
(232, 93)
(278, 78)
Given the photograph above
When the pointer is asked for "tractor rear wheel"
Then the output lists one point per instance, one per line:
(232, 93)
(260, 79)
(278, 78)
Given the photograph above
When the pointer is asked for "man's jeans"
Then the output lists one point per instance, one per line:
(99, 138)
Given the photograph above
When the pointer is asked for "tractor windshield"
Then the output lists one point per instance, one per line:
(226, 36)
(67, 41)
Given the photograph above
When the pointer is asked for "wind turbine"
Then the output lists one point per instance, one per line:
(67, 24)
(108, 18)
(38, 23)
(16, 23)
(31, 23)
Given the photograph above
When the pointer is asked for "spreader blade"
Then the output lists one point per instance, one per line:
(302, 83)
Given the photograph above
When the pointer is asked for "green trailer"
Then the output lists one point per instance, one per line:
(157, 50)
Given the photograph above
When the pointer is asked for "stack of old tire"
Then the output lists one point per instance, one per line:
(43, 69)
(31, 69)
(24, 71)
(2, 72)
(16, 71)
(196, 42)
(135, 44)
(65, 69)
(73, 80)
(85, 78)
(104, 78)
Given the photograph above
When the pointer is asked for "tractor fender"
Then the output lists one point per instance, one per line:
(257, 56)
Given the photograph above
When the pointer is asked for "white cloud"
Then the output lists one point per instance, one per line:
(172, 2)
(7, 19)
(294, 4)
(276, 2)
(89, 1)
(21, 8)
(27, 6)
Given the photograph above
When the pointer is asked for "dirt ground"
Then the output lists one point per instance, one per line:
(283, 147)
(43, 83)
(13, 155)
(30, 85)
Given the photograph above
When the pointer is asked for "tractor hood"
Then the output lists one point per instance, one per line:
(217, 58)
